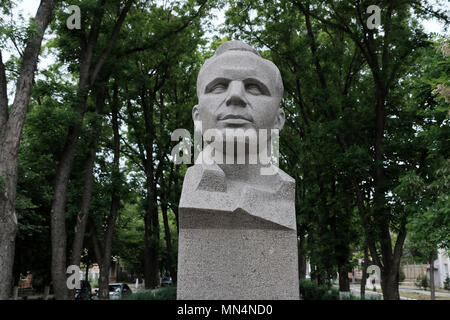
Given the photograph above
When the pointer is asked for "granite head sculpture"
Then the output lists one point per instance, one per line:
(237, 222)
(237, 88)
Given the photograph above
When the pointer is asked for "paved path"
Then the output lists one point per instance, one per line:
(355, 289)
(427, 292)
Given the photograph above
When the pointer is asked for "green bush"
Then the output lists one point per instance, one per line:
(353, 297)
(401, 276)
(422, 282)
(310, 290)
(166, 293)
(447, 283)
(350, 297)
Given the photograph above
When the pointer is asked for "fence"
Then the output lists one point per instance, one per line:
(412, 271)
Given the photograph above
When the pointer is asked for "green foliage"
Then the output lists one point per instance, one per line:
(422, 282)
(94, 284)
(447, 283)
(367, 297)
(129, 242)
(166, 293)
(310, 290)
(401, 275)
(422, 192)
(327, 144)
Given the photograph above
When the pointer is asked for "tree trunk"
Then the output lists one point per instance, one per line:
(63, 171)
(344, 283)
(103, 280)
(152, 279)
(115, 200)
(80, 226)
(87, 78)
(167, 237)
(86, 275)
(94, 239)
(364, 273)
(432, 288)
(8, 230)
(147, 257)
(82, 218)
(165, 198)
(389, 284)
(11, 125)
(151, 245)
(301, 258)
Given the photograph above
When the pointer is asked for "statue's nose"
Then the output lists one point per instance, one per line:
(236, 95)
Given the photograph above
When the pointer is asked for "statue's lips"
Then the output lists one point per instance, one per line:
(235, 119)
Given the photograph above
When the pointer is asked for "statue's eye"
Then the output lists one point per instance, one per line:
(253, 89)
(219, 88)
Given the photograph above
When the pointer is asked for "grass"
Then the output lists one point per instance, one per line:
(419, 296)
(166, 293)
(358, 297)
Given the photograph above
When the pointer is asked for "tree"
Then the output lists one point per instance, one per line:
(429, 224)
(366, 135)
(11, 125)
(92, 58)
(423, 192)
(116, 192)
(159, 92)
(359, 91)
(306, 57)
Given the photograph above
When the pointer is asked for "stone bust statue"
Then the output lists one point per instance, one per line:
(238, 89)
(237, 204)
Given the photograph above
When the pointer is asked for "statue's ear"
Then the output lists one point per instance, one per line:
(196, 119)
(281, 118)
(195, 113)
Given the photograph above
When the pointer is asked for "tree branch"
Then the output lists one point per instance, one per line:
(133, 154)
(20, 52)
(95, 241)
(25, 82)
(155, 43)
(111, 41)
(89, 47)
(3, 95)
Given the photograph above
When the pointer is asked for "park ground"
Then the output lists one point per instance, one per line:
(406, 293)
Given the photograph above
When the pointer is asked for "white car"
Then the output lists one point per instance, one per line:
(118, 290)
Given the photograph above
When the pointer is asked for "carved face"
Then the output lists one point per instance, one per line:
(238, 89)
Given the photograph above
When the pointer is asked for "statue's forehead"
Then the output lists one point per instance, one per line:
(238, 65)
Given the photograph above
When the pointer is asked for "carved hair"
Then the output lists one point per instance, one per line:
(234, 45)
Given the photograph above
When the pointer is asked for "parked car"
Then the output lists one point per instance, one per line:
(118, 290)
(84, 293)
(166, 281)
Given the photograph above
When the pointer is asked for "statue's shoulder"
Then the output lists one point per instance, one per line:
(286, 185)
(279, 175)
(204, 177)
(285, 177)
